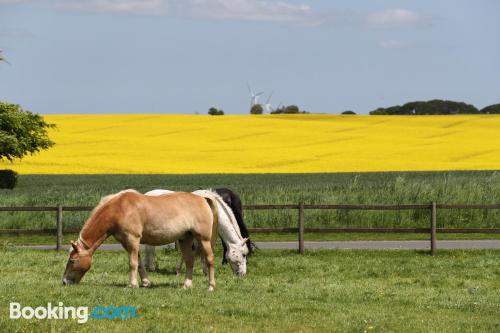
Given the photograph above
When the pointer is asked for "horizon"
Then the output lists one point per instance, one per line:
(172, 57)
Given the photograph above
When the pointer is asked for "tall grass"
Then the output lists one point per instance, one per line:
(352, 188)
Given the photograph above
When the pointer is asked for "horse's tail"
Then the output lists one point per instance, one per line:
(213, 206)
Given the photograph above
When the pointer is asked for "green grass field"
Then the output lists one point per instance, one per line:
(6, 240)
(390, 188)
(330, 291)
(322, 291)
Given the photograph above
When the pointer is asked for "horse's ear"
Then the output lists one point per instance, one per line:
(75, 246)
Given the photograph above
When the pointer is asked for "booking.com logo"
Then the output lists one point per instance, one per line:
(81, 313)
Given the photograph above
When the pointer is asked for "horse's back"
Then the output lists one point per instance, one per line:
(169, 217)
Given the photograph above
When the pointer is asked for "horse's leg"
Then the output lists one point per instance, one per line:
(203, 264)
(142, 273)
(224, 246)
(178, 267)
(150, 258)
(206, 246)
(203, 261)
(187, 254)
(197, 250)
(133, 258)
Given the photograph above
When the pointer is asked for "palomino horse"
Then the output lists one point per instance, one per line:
(228, 229)
(134, 218)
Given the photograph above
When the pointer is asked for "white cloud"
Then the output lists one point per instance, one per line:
(138, 7)
(254, 10)
(243, 10)
(393, 17)
(393, 44)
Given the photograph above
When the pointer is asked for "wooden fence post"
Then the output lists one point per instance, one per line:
(59, 227)
(433, 228)
(301, 228)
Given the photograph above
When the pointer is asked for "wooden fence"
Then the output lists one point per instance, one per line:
(300, 229)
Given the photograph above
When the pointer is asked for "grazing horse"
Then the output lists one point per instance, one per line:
(233, 200)
(134, 218)
(234, 243)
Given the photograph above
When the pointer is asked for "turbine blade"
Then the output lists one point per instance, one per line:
(269, 98)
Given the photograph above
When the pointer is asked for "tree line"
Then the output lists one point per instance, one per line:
(436, 107)
(259, 109)
(431, 107)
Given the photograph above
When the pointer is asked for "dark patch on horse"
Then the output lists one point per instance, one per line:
(233, 200)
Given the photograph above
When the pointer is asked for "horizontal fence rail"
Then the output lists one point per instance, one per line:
(300, 229)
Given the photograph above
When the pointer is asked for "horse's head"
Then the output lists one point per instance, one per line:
(237, 257)
(79, 263)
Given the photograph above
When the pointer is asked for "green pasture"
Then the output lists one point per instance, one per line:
(321, 291)
(261, 237)
(377, 188)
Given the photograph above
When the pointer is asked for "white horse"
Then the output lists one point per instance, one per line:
(228, 230)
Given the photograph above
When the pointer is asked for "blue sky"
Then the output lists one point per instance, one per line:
(183, 56)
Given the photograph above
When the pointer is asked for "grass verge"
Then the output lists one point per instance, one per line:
(322, 291)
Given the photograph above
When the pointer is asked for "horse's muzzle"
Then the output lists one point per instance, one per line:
(67, 282)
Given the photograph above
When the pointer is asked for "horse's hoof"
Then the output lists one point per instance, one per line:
(210, 289)
(133, 286)
(146, 283)
(188, 285)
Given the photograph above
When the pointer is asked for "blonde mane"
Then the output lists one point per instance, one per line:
(102, 202)
(109, 197)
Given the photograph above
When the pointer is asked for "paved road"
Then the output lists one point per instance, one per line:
(413, 244)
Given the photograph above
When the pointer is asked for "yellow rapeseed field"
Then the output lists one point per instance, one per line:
(259, 144)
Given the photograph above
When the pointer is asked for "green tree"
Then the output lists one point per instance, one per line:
(21, 132)
(432, 107)
(491, 109)
(256, 109)
(215, 112)
(289, 109)
(348, 112)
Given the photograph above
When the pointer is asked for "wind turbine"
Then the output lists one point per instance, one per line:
(268, 107)
(254, 96)
(2, 58)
